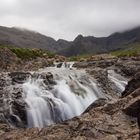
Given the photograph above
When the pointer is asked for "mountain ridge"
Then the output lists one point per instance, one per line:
(80, 45)
(94, 45)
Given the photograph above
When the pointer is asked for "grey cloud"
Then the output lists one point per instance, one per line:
(68, 18)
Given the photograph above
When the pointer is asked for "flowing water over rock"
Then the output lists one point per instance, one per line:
(51, 95)
(119, 81)
(70, 94)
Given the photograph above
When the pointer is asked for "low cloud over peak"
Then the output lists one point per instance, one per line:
(68, 18)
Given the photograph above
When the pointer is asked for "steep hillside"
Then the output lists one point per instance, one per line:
(29, 39)
(25, 59)
(81, 45)
(93, 45)
(131, 50)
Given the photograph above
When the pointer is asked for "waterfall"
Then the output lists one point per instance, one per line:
(71, 94)
(119, 81)
(53, 94)
(63, 64)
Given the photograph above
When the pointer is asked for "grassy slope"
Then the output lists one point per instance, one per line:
(26, 53)
(133, 50)
(79, 57)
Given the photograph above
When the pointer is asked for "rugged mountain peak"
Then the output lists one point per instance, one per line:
(78, 38)
(24, 38)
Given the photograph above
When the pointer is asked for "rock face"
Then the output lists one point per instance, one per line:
(19, 77)
(132, 85)
(128, 66)
(12, 105)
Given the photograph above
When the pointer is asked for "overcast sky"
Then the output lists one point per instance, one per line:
(68, 18)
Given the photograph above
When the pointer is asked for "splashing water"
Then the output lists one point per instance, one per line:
(73, 92)
(70, 94)
(118, 80)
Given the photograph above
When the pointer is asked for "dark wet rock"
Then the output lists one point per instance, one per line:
(2, 82)
(19, 77)
(133, 84)
(17, 95)
(49, 79)
(59, 65)
(49, 75)
(132, 108)
(12, 106)
(19, 109)
(5, 80)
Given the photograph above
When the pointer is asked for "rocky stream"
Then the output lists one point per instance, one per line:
(88, 100)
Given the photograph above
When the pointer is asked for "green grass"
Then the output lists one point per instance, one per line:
(79, 57)
(26, 53)
(133, 50)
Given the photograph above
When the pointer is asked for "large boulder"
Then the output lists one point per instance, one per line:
(19, 77)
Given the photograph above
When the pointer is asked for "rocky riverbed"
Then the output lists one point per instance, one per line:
(114, 116)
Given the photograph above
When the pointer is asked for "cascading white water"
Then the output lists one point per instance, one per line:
(64, 64)
(118, 80)
(73, 92)
(38, 108)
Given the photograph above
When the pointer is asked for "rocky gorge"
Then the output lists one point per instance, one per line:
(105, 104)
